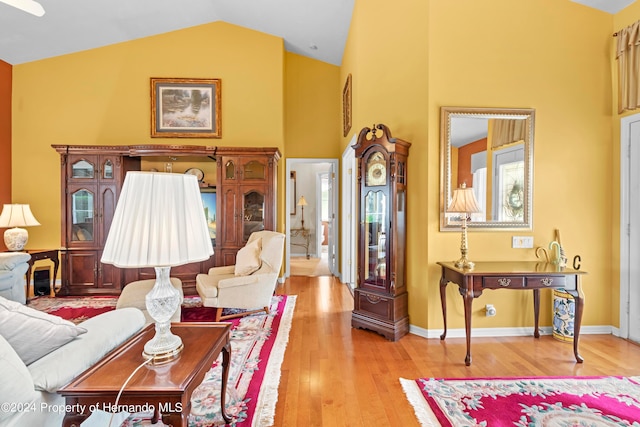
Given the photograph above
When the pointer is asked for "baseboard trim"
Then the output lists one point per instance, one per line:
(504, 332)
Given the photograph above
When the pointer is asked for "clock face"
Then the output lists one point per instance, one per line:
(376, 174)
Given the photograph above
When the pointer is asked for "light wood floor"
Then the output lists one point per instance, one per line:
(333, 375)
(301, 266)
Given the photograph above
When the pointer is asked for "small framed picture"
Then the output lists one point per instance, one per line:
(185, 108)
(346, 107)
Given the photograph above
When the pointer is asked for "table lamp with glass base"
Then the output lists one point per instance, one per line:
(162, 302)
(159, 222)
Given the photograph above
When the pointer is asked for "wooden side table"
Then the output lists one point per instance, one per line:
(167, 387)
(36, 255)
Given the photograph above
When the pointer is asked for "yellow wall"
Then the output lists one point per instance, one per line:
(5, 135)
(313, 112)
(312, 108)
(386, 54)
(407, 58)
(102, 97)
(422, 55)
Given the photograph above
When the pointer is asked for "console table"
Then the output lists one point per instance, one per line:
(518, 275)
(305, 233)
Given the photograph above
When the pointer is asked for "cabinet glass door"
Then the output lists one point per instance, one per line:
(254, 170)
(82, 215)
(82, 169)
(375, 229)
(229, 170)
(253, 213)
(107, 170)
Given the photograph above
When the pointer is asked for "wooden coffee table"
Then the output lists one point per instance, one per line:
(164, 388)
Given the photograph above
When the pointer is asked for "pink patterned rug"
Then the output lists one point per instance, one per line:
(525, 402)
(258, 343)
(79, 309)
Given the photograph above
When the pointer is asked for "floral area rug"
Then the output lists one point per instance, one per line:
(75, 309)
(525, 402)
(258, 343)
(79, 309)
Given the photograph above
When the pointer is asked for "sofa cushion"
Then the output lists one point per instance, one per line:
(16, 387)
(104, 333)
(33, 333)
(248, 258)
(9, 260)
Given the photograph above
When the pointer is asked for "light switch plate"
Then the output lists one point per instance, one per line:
(525, 242)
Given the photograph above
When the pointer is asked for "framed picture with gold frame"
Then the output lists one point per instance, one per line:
(346, 107)
(185, 108)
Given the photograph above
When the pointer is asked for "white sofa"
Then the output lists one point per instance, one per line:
(13, 267)
(28, 391)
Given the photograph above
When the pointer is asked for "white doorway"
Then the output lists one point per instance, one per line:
(308, 226)
(348, 215)
(324, 216)
(630, 230)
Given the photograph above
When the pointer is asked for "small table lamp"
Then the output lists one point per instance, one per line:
(302, 203)
(463, 202)
(159, 222)
(16, 216)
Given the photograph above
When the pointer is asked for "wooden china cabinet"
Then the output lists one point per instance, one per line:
(246, 197)
(381, 299)
(91, 180)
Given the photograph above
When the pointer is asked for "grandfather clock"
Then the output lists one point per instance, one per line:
(381, 292)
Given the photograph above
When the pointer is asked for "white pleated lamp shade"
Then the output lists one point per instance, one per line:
(159, 221)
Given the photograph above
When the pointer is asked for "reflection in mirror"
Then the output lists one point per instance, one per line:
(490, 150)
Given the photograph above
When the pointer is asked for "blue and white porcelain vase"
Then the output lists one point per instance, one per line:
(564, 314)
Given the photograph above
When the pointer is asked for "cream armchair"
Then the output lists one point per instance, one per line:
(250, 283)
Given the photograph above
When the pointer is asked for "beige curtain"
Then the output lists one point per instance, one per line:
(508, 131)
(628, 57)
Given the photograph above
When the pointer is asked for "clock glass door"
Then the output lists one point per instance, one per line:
(375, 237)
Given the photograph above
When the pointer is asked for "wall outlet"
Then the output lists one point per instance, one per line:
(522, 242)
(489, 310)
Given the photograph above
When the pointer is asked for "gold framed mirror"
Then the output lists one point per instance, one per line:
(490, 150)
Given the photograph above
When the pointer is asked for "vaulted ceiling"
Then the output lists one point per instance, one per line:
(313, 28)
